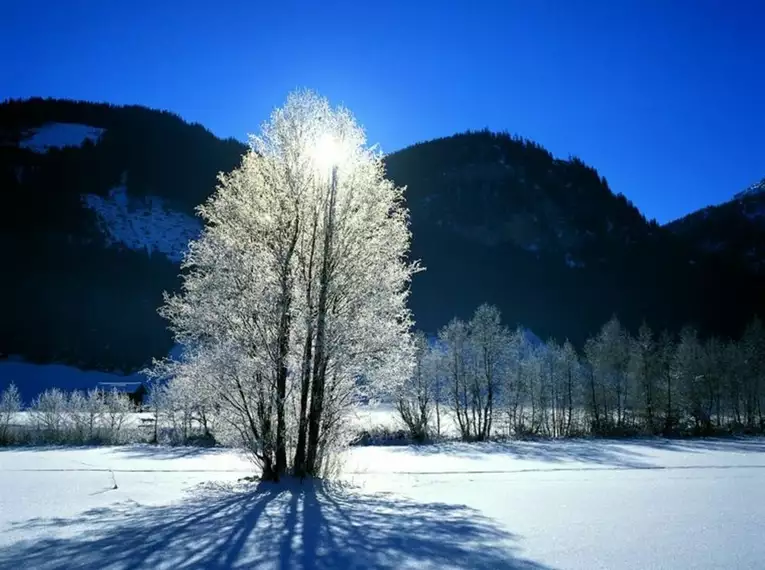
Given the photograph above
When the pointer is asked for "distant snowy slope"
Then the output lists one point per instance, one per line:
(32, 379)
(59, 135)
(753, 190)
(143, 223)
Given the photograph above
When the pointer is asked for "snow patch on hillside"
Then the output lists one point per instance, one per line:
(59, 135)
(143, 223)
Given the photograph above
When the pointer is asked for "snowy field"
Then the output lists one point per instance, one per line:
(571, 504)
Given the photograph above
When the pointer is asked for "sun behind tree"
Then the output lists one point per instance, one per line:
(296, 289)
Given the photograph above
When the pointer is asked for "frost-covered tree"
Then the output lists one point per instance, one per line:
(516, 389)
(294, 299)
(49, 413)
(489, 341)
(608, 357)
(688, 373)
(10, 405)
(85, 413)
(77, 414)
(475, 362)
(413, 398)
(752, 353)
(435, 367)
(117, 409)
(571, 379)
(94, 411)
(665, 351)
(716, 369)
(644, 373)
(454, 339)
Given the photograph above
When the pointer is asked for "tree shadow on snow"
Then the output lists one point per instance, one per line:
(150, 451)
(596, 452)
(288, 526)
(733, 444)
(629, 453)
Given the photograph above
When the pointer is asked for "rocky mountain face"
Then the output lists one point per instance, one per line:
(99, 204)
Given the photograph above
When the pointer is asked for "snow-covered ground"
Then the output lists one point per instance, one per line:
(576, 504)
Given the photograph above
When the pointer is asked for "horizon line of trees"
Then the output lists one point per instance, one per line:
(496, 382)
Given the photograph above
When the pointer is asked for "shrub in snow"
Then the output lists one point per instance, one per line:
(383, 435)
(10, 405)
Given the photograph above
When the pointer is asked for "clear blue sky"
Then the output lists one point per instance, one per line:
(666, 98)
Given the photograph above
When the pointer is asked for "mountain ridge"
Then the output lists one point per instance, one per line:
(495, 218)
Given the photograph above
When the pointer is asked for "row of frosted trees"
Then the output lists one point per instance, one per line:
(489, 381)
(57, 416)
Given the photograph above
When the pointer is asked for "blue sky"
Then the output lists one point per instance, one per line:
(666, 98)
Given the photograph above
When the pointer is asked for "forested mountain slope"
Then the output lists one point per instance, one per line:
(734, 229)
(499, 219)
(99, 204)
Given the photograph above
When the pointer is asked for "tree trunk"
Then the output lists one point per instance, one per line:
(283, 342)
(305, 374)
(668, 421)
(320, 360)
(596, 416)
(438, 419)
(570, 402)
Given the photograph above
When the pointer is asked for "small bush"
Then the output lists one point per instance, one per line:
(382, 435)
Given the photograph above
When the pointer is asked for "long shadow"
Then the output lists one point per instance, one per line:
(148, 451)
(624, 453)
(732, 444)
(288, 526)
(134, 451)
(51, 447)
(597, 452)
